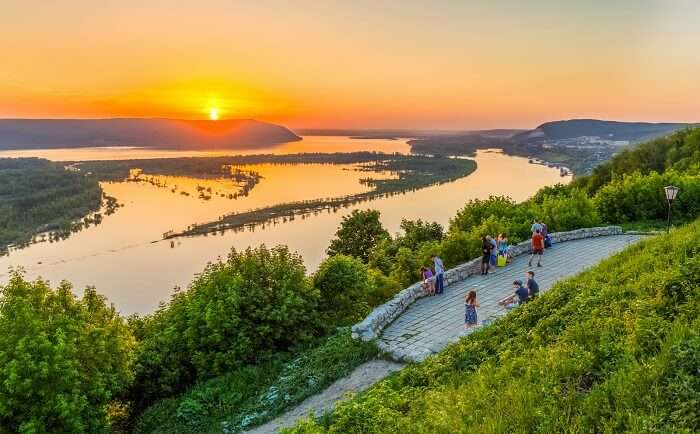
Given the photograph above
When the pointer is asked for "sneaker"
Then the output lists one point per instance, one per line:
(539, 265)
(529, 264)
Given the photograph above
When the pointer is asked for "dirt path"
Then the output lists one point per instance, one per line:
(361, 378)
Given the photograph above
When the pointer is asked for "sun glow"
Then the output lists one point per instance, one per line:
(214, 114)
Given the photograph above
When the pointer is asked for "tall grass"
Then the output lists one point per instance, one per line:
(614, 349)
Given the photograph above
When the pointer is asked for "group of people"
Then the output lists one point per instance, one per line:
(434, 286)
(493, 251)
(497, 252)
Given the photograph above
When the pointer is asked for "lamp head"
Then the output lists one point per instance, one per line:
(671, 192)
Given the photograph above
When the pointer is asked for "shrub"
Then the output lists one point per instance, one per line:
(235, 312)
(641, 197)
(62, 359)
(346, 288)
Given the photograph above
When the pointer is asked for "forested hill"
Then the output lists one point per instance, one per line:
(612, 130)
(161, 133)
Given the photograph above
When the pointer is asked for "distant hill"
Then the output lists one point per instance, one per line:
(160, 133)
(611, 130)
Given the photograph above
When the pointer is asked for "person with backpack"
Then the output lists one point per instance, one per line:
(537, 248)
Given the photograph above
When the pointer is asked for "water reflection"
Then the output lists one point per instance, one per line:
(125, 258)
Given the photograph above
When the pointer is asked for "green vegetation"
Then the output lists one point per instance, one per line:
(40, 196)
(62, 359)
(358, 233)
(255, 394)
(236, 312)
(679, 151)
(615, 349)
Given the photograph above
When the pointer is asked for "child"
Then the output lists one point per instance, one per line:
(470, 305)
(428, 282)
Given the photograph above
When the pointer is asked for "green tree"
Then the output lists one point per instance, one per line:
(236, 312)
(358, 233)
(346, 289)
(417, 232)
(62, 359)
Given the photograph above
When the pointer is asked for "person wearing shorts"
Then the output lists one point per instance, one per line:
(537, 248)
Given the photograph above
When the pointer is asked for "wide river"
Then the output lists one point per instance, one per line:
(126, 260)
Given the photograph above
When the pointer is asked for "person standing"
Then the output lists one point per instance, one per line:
(486, 247)
(503, 245)
(439, 274)
(470, 305)
(533, 288)
(537, 248)
(494, 252)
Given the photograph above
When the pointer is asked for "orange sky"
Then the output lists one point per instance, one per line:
(360, 64)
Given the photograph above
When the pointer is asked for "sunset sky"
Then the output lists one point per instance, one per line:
(353, 64)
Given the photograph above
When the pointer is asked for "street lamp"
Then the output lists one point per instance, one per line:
(671, 193)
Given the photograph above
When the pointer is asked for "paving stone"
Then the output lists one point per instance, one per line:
(431, 323)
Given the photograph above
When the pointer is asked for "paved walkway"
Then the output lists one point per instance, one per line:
(431, 323)
(360, 379)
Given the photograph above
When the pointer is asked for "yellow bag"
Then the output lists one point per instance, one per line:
(501, 261)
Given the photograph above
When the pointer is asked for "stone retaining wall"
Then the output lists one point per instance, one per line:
(373, 325)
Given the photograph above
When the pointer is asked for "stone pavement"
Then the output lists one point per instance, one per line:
(431, 323)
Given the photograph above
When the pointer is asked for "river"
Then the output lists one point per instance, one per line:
(126, 260)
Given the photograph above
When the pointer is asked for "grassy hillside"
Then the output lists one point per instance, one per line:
(614, 349)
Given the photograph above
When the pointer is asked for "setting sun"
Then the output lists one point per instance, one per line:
(214, 114)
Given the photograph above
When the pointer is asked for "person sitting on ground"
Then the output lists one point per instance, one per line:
(533, 288)
(537, 248)
(428, 281)
(485, 255)
(470, 305)
(518, 297)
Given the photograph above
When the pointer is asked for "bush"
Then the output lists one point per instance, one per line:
(253, 395)
(236, 312)
(62, 359)
(641, 197)
(346, 289)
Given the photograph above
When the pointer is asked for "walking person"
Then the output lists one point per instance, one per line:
(439, 274)
(537, 248)
(428, 281)
(533, 288)
(486, 247)
(470, 305)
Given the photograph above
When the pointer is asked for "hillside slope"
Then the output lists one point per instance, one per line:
(612, 130)
(161, 133)
(614, 349)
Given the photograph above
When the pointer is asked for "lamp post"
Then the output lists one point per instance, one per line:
(671, 193)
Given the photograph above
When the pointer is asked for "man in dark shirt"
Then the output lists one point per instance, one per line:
(532, 287)
(519, 296)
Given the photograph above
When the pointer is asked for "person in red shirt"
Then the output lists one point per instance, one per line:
(537, 247)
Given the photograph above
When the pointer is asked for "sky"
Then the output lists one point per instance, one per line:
(437, 64)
